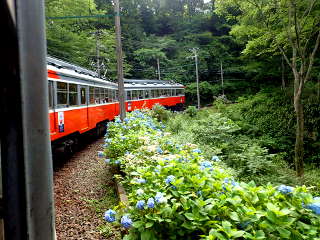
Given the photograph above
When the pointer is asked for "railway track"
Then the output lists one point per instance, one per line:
(80, 181)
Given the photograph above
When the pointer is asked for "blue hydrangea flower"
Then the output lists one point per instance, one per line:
(108, 140)
(126, 221)
(244, 225)
(205, 164)
(118, 120)
(285, 189)
(117, 162)
(123, 138)
(235, 184)
(141, 180)
(215, 159)
(110, 215)
(140, 192)
(140, 204)
(315, 207)
(196, 150)
(107, 161)
(170, 179)
(150, 203)
(126, 120)
(160, 197)
(159, 150)
(316, 199)
(101, 154)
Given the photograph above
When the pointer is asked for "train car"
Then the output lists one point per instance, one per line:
(147, 93)
(81, 103)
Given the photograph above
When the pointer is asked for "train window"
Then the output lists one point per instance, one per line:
(129, 95)
(174, 92)
(91, 95)
(146, 93)
(73, 94)
(116, 95)
(103, 95)
(141, 95)
(62, 94)
(83, 95)
(134, 95)
(96, 95)
(50, 88)
(110, 95)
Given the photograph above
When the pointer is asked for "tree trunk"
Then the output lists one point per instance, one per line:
(282, 74)
(299, 149)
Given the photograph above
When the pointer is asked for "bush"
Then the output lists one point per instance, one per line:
(160, 113)
(191, 111)
(178, 194)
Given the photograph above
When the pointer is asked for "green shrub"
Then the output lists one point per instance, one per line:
(191, 111)
(178, 194)
(160, 113)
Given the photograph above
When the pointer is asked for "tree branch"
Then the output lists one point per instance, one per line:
(311, 58)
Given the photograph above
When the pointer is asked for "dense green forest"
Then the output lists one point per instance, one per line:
(268, 48)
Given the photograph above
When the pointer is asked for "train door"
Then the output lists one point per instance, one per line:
(84, 97)
(52, 116)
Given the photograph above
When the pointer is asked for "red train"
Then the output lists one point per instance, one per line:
(80, 102)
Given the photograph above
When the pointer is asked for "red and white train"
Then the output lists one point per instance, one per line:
(80, 102)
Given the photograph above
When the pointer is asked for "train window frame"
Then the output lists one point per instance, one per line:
(128, 95)
(134, 95)
(81, 87)
(73, 95)
(51, 94)
(62, 92)
(91, 95)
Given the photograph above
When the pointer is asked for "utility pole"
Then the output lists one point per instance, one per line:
(195, 52)
(221, 72)
(119, 61)
(159, 74)
(97, 53)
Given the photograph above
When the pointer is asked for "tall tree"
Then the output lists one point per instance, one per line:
(291, 27)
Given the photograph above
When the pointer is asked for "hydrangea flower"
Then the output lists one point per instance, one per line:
(108, 140)
(123, 138)
(285, 189)
(117, 162)
(160, 197)
(140, 192)
(150, 203)
(315, 207)
(170, 179)
(110, 215)
(107, 160)
(215, 159)
(141, 180)
(244, 225)
(159, 150)
(205, 164)
(196, 150)
(101, 154)
(126, 221)
(140, 204)
(117, 120)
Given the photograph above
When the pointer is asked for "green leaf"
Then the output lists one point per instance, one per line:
(283, 232)
(234, 216)
(149, 224)
(189, 216)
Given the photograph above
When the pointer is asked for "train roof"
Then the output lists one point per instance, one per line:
(72, 72)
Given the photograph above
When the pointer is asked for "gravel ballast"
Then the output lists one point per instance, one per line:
(82, 186)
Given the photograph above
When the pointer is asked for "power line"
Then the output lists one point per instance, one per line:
(82, 16)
